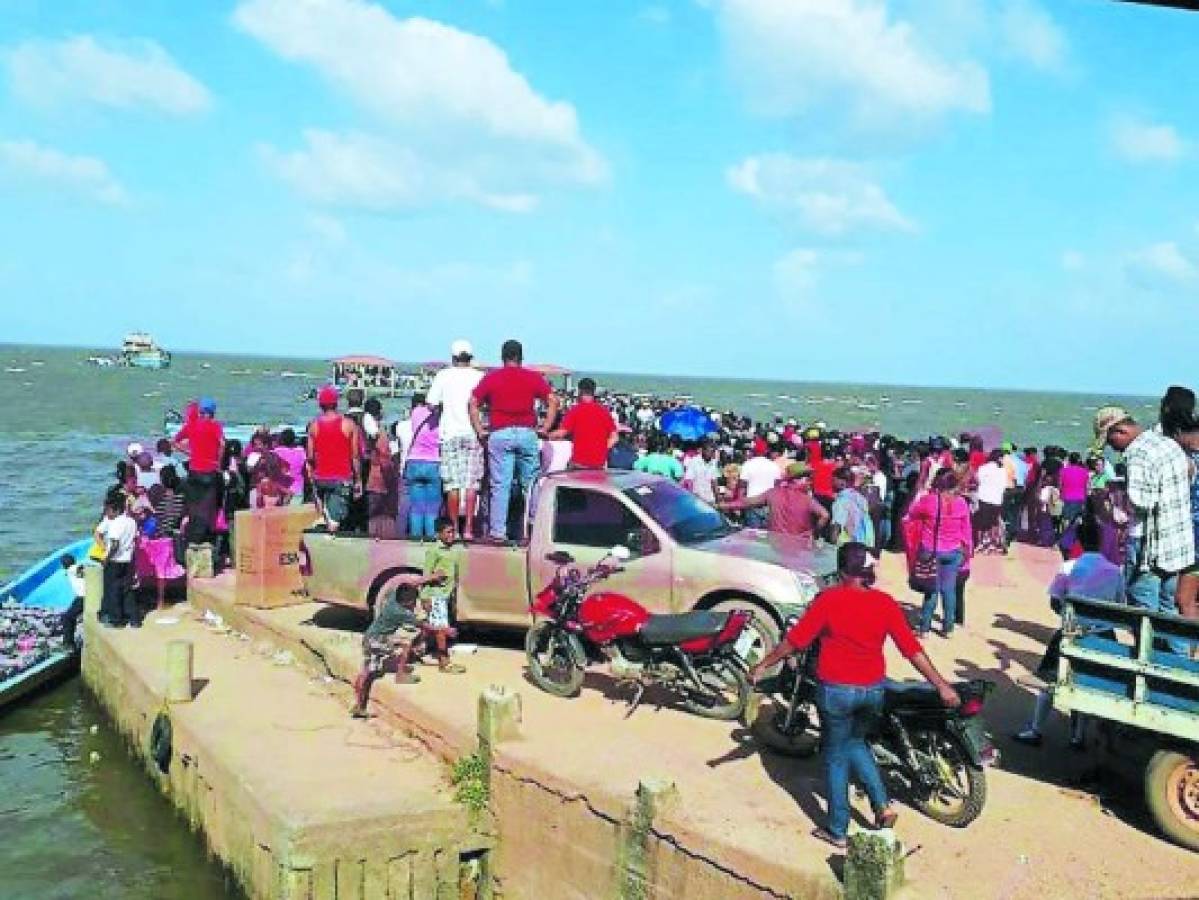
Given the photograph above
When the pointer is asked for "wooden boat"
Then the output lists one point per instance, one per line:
(44, 585)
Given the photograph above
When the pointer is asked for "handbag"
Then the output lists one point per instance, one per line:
(923, 578)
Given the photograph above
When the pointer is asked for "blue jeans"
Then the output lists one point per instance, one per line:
(757, 517)
(846, 713)
(512, 454)
(422, 480)
(948, 566)
(1151, 589)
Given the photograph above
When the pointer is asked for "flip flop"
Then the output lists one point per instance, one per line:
(828, 837)
(453, 669)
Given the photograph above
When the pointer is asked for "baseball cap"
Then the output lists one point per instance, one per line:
(461, 347)
(798, 470)
(1105, 420)
(133, 450)
(207, 405)
(327, 396)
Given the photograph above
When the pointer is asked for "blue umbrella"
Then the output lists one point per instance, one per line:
(688, 423)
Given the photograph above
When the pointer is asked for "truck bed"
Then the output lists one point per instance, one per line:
(1110, 668)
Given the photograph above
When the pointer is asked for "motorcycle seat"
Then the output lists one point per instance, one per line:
(917, 694)
(679, 627)
(910, 695)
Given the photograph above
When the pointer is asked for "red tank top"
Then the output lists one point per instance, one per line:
(332, 449)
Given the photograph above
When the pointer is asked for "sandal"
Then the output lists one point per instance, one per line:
(823, 834)
(407, 678)
(359, 712)
(453, 669)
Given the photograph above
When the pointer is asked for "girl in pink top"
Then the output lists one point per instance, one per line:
(945, 531)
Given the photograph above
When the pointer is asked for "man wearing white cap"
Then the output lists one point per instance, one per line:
(461, 452)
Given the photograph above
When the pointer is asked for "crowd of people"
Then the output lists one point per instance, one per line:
(460, 466)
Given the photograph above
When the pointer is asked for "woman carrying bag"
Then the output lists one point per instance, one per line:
(941, 519)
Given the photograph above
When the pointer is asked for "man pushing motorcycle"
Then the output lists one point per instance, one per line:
(852, 620)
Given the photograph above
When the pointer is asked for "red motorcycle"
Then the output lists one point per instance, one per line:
(692, 654)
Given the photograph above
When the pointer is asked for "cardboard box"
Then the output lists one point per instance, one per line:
(266, 554)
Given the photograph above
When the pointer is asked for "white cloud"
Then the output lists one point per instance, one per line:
(655, 14)
(797, 273)
(452, 116)
(1073, 261)
(1137, 141)
(792, 55)
(1161, 265)
(1029, 33)
(123, 75)
(27, 162)
(360, 171)
(828, 196)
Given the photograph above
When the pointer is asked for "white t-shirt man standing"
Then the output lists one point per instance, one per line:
(461, 452)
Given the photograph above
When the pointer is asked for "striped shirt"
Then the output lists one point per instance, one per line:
(1159, 487)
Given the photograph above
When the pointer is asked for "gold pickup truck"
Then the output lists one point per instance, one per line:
(684, 555)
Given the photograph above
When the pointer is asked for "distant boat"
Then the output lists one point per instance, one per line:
(205, 365)
(13, 369)
(103, 362)
(43, 585)
(140, 352)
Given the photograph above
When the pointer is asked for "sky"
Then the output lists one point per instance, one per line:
(990, 193)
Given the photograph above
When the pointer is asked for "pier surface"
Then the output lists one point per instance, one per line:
(739, 827)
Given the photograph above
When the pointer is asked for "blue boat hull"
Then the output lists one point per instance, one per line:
(45, 585)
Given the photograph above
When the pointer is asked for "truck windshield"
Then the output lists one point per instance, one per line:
(687, 518)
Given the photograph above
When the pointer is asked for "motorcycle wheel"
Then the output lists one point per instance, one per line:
(959, 799)
(551, 654)
(771, 731)
(730, 685)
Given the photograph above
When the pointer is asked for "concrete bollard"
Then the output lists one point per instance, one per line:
(179, 672)
(499, 715)
(874, 866)
(654, 796)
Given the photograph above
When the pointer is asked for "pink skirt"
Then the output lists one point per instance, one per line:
(156, 559)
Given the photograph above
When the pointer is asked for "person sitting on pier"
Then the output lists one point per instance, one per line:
(391, 638)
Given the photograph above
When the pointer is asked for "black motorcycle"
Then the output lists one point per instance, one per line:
(936, 756)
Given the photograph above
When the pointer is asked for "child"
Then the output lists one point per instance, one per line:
(441, 560)
(1090, 576)
(70, 618)
(389, 638)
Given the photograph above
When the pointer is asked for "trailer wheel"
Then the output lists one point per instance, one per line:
(1172, 795)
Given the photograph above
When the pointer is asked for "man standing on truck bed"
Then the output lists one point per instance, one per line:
(1161, 543)
(334, 449)
(510, 394)
(591, 428)
(461, 452)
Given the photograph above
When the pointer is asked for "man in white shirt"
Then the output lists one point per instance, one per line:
(700, 473)
(988, 518)
(117, 532)
(760, 473)
(461, 452)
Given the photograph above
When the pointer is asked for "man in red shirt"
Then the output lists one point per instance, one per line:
(334, 447)
(203, 440)
(792, 508)
(852, 622)
(591, 428)
(510, 394)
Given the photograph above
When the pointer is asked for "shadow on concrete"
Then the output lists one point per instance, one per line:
(198, 685)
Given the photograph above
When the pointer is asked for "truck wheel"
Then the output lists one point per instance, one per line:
(554, 658)
(764, 630)
(1172, 795)
(385, 584)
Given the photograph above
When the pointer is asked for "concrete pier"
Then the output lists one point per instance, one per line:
(300, 803)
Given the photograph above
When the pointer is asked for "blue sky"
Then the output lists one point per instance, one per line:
(997, 193)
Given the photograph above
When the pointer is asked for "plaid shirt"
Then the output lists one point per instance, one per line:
(1159, 486)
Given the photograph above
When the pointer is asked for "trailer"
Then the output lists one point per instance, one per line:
(1120, 665)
